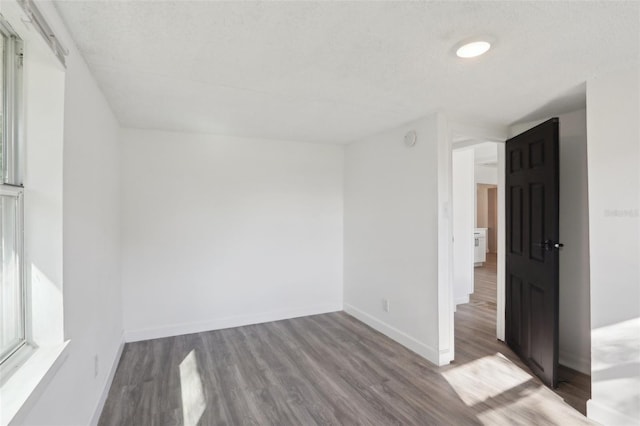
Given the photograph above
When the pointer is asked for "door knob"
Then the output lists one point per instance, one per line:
(549, 245)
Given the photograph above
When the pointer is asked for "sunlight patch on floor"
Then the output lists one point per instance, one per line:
(193, 402)
(615, 366)
(500, 392)
(526, 405)
(485, 378)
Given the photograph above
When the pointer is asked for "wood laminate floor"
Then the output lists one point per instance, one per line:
(475, 324)
(331, 369)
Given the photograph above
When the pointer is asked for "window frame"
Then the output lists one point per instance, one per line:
(12, 106)
(11, 184)
(18, 193)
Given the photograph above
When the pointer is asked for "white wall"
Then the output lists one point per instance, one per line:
(43, 80)
(614, 228)
(486, 174)
(91, 246)
(463, 223)
(575, 335)
(575, 339)
(220, 232)
(391, 234)
(486, 168)
(44, 88)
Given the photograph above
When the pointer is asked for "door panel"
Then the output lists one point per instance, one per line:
(532, 206)
(536, 154)
(515, 286)
(536, 312)
(536, 222)
(515, 224)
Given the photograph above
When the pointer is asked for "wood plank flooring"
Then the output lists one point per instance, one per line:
(475, 322)
(329, 369)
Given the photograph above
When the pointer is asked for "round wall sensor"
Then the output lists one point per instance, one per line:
(410, 138)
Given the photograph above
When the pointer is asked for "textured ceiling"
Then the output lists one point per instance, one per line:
(336, 71)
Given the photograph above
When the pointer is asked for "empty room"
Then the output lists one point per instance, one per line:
(319, 212)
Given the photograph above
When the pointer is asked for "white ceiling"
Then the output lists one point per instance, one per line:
(336, 71)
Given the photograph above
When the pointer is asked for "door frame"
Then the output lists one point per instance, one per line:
(464, 135)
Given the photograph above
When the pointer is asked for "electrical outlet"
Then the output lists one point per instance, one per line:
(385, 305)
(96, 366)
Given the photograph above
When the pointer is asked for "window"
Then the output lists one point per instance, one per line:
(12, 292)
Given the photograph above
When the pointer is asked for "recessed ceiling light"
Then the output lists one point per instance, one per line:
(473, 49)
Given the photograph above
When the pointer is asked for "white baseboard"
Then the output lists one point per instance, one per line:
(575, 362)
(107, 384)
(227, 322)
(462, 300)
(404, 339)
(446, 357)
(605, 415)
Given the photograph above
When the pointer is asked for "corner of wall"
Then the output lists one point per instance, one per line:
(446, 303)
(397, 186)
(107, 383)
(421, 348)
(92, 280)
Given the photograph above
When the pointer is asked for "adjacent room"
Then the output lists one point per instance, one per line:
(319, 212)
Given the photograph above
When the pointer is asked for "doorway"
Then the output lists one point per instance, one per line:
(574, 259)
(476, 220)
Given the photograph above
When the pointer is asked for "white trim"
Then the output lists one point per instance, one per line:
(575, 362)
(467, 134)
(462, 300)
(39, 22)
(12, 103)
(18, 193)
(602, 414)
(25, 386)
(107, 385)
(15, 360)
(11, 191)
(460, 136)
(445, 357)
(404, 339)
(136, 335)
(502, 243)
(446, 305)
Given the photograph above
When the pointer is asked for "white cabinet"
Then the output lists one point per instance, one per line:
(480, 246)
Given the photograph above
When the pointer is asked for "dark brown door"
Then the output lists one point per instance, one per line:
(532, 206)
